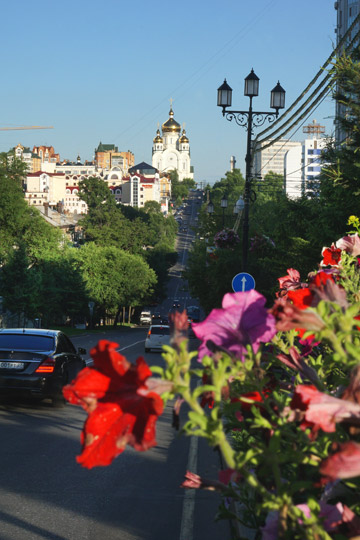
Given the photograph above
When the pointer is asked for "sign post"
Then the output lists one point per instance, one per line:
(243, 282)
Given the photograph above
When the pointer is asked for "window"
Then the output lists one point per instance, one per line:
(26, 342)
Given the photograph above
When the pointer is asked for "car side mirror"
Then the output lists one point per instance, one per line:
(81, 350)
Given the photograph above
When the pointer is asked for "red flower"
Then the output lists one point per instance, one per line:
(249, 399)
(320, 279)
(331, 256)
(122, 410)
(302, 298)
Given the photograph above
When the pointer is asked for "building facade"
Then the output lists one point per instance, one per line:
(171, 149)
(271, 158)
(31, 159)
(302, 167)
(107, 156)
(54, 190)
(346, 12)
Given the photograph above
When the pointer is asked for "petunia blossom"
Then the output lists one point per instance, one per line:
(333, 516)
(243, 320)
(121, 408)
(290, 316)
(194, 481)
(291, 281)
(331, 256)
(343, 464)
(350, 244)
(297, 362)
(322, 411)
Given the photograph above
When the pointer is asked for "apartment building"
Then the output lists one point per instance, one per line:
(302, 167)
(271, 158)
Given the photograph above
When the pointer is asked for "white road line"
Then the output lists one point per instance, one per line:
(187, 518)
(132, 345)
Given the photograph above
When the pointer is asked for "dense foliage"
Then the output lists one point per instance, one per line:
(285, 232)
(122, 261)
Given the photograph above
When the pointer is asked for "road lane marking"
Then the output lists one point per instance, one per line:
(187, 518)
(132, 345)
(90, 361)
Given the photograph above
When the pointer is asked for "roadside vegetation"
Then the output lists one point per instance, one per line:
(122, 262)
(284, 233)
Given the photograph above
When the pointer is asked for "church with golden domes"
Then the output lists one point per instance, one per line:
(171, 149)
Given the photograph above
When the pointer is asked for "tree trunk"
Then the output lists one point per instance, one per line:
(117, 317)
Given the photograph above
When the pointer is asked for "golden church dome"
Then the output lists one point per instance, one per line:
(171, 125)
(183, 138)
(158, 138)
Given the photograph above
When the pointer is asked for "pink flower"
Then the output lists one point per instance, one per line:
(333, 516)
(290, 316)
(343, 464)
(297, 362)
(323, 411)
(350, 244)
(243, 320)
(179, 325)
(194, 481)
(291, 281)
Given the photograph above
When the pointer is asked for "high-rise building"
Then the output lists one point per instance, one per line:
(302, 164)
(171, 149)
(346, 12)
(271, 158)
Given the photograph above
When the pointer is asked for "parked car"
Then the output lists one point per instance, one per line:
(37, 363)
(157, 336)
(145, 317)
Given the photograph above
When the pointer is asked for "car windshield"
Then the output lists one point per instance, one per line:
(27, 342)
(160, 330)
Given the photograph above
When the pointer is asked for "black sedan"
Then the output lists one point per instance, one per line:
(37, 363)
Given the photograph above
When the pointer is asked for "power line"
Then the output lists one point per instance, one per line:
(319, 73)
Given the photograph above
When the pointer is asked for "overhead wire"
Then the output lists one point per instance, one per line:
(314, 105)
(285, 142)
(319, 73)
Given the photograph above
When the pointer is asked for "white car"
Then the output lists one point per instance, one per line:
(157, 336)
(145, 317)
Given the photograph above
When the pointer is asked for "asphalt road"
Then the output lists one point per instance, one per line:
(45, 494)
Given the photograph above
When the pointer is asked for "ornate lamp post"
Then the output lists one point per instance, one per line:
(248, 119)
(224, 205)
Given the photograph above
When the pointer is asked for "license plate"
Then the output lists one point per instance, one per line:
(11, 365)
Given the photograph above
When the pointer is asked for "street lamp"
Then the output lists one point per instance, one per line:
(248, 119)
(239, 206)
(224, 205)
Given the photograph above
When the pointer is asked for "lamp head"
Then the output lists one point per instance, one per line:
(277, 99)
(224, 96)
(251, 88)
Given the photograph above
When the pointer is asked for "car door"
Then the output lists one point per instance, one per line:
(70, 360)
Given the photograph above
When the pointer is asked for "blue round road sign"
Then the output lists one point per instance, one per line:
(243, 282)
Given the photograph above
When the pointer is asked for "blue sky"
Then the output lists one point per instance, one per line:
(105, 71)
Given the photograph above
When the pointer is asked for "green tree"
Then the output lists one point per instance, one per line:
(113, 278)
(19, 286)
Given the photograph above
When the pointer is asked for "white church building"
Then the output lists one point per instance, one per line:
(171, 149)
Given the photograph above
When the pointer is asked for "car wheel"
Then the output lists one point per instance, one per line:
(147, 350)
